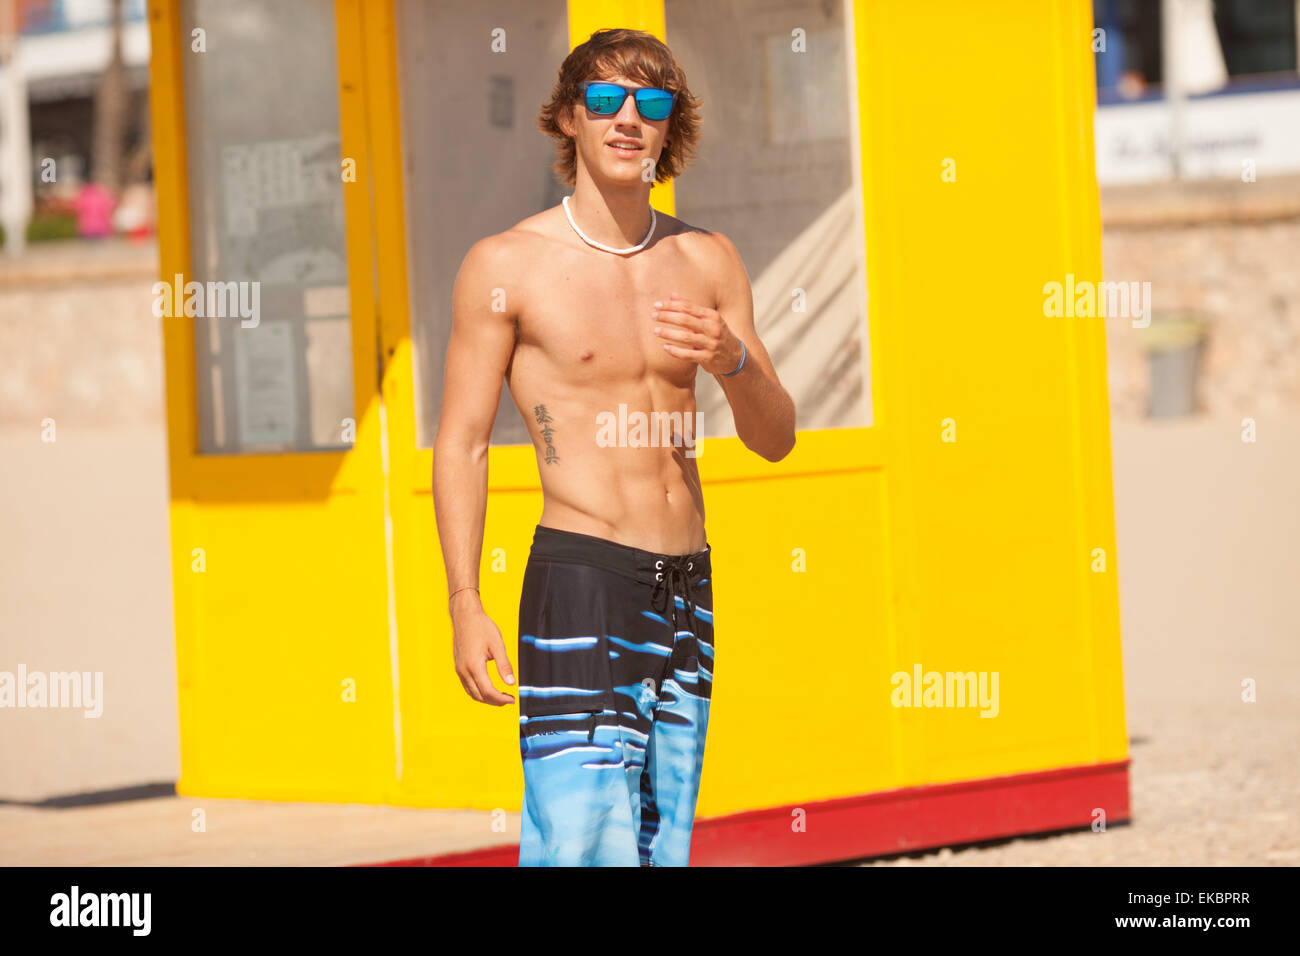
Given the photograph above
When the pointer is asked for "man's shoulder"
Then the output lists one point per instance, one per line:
(710, 248)
(521, 238)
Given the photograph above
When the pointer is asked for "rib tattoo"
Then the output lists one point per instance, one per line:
(544, 419)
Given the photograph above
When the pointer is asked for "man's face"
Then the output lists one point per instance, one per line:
(616, 148)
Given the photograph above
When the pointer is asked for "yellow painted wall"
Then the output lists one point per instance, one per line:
(993, 534)
(966, 555)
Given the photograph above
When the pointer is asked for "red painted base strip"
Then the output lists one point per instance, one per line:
(881, 824)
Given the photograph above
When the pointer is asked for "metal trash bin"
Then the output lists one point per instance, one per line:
(1175, 347)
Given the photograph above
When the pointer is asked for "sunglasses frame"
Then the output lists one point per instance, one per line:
(633, 91)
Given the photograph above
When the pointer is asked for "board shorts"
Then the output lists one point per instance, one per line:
(615, 680)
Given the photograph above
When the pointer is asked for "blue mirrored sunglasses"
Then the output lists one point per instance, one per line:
(606, 99)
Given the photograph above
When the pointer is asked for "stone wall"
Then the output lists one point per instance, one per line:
(78, 338)
(1225, 251)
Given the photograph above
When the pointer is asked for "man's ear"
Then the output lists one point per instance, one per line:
(564, 119)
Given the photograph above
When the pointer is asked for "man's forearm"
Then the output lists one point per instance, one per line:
(460, 483)
(763, 411)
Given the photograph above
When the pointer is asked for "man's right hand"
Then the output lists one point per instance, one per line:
(475, 641)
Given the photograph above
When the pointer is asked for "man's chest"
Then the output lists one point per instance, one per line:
(592, 318)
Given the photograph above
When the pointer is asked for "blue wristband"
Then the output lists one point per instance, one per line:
(738, 367)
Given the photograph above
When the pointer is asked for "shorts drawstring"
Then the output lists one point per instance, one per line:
(674, 572)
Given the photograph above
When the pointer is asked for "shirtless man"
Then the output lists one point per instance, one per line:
(593, 304)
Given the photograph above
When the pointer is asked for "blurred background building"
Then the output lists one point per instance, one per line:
(1198, 154)
(76, 75)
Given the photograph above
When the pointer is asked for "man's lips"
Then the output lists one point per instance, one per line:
(624, 148)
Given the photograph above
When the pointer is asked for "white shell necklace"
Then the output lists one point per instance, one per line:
(600, 245)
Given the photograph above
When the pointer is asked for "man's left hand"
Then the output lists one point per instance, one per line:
(696, 334)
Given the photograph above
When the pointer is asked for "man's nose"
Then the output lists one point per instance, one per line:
(627, 113)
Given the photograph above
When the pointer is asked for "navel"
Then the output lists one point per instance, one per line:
(586, 354)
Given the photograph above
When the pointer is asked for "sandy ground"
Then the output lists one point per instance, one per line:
(1209, 564)
(85, 586)
(180, 831)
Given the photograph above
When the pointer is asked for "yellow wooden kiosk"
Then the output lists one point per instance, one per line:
(918, 631)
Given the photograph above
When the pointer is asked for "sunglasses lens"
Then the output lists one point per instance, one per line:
(604, 98)
(654, 104)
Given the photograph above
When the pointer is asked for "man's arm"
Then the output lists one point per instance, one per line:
(763, 410)
(481, 344)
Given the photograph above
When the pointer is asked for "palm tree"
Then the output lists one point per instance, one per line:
(111, 106)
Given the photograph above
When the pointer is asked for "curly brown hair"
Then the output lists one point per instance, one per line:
(638, 56)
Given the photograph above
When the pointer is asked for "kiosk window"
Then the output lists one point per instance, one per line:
(774, 172)
(475, 163)
(269, 292)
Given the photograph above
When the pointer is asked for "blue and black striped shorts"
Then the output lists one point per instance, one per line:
(615, 681)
